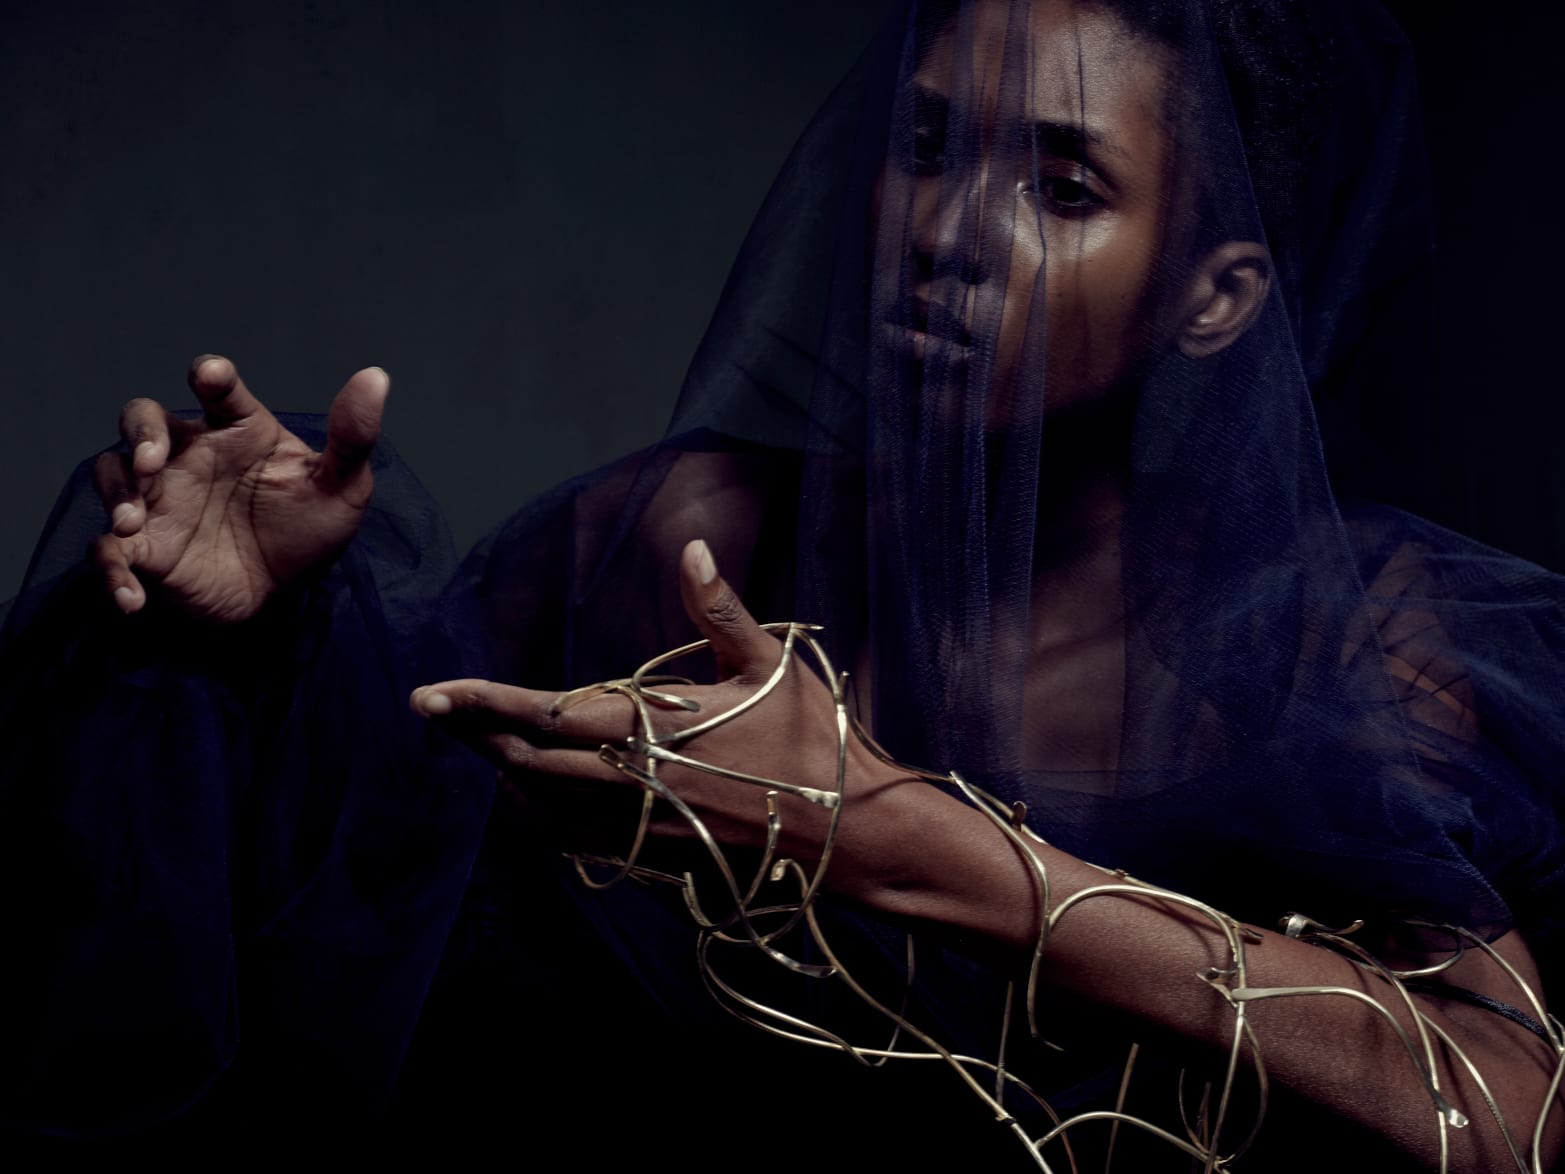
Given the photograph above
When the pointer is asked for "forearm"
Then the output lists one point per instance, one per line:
(910, 850)
(919, 853)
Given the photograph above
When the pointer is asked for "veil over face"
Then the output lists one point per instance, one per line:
(1011, 388)
(1016, 387)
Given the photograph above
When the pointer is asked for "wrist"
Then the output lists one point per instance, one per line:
(912, 850)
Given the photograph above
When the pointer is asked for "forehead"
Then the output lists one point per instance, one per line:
(1057, 61)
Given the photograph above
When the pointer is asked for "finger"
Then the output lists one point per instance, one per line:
(515, 756)
(471, 696)
(530, 713)
(127, 512)
(150, 433)
(741, 647)
(471, 710)
(224, 397)
(115, 556)
(352, 429)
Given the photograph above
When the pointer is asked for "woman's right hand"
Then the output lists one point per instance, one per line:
(219, 513)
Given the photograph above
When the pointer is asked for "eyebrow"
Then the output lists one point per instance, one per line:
(1062, 140)
(1069, 140)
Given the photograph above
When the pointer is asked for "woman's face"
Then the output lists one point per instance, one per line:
(1038, 187)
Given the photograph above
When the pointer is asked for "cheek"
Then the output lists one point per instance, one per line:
(1097, 277)
(1022, 322)
(1076, 300)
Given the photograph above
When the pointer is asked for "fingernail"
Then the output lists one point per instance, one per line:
(124, 598)
(706, 569)
(144, 450)
(122, 513)
(436, 703)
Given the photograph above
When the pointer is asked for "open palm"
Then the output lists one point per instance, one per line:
(218, 513)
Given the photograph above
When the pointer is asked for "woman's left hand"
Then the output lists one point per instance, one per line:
(791, 736)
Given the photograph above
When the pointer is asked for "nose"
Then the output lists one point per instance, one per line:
(951, 222)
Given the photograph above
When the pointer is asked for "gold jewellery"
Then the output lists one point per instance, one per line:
(756, 918)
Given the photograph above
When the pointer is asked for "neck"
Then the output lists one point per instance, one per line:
(1082, 476)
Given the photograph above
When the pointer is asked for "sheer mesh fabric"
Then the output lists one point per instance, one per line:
(1089, 570)
(1099, 572)
(944, 409)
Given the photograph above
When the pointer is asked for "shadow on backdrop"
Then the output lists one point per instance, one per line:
(525, 212)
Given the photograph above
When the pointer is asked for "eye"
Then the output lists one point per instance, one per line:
(930, 115)
(1066, 195)
(929, 150)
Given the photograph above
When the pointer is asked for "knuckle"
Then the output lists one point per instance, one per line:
(486, 696)
(359, 423)
(726, 610)
(515, 755)
(549, 721)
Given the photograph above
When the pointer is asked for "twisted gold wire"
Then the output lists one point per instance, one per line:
(759, 919)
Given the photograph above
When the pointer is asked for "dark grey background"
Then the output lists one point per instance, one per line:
(525, 211)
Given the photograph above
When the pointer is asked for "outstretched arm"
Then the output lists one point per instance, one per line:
(910, 849)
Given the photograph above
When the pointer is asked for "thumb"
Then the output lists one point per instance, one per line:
(742, 648)
(352, 428)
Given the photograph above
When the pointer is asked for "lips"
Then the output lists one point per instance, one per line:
(932, 320)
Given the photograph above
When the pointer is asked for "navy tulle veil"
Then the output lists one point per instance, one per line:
(935, 412)
(1327, 697)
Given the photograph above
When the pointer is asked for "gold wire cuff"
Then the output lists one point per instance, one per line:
(761, 919)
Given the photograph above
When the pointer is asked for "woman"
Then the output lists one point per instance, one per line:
(1075, 531)
(1008, 392)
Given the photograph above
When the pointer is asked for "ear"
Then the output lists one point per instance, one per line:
(1223, 297)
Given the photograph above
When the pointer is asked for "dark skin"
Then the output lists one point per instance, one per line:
(1091, 232)
(910, 850)
(222, 514)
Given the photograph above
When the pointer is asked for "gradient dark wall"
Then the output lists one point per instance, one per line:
(524, 212)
